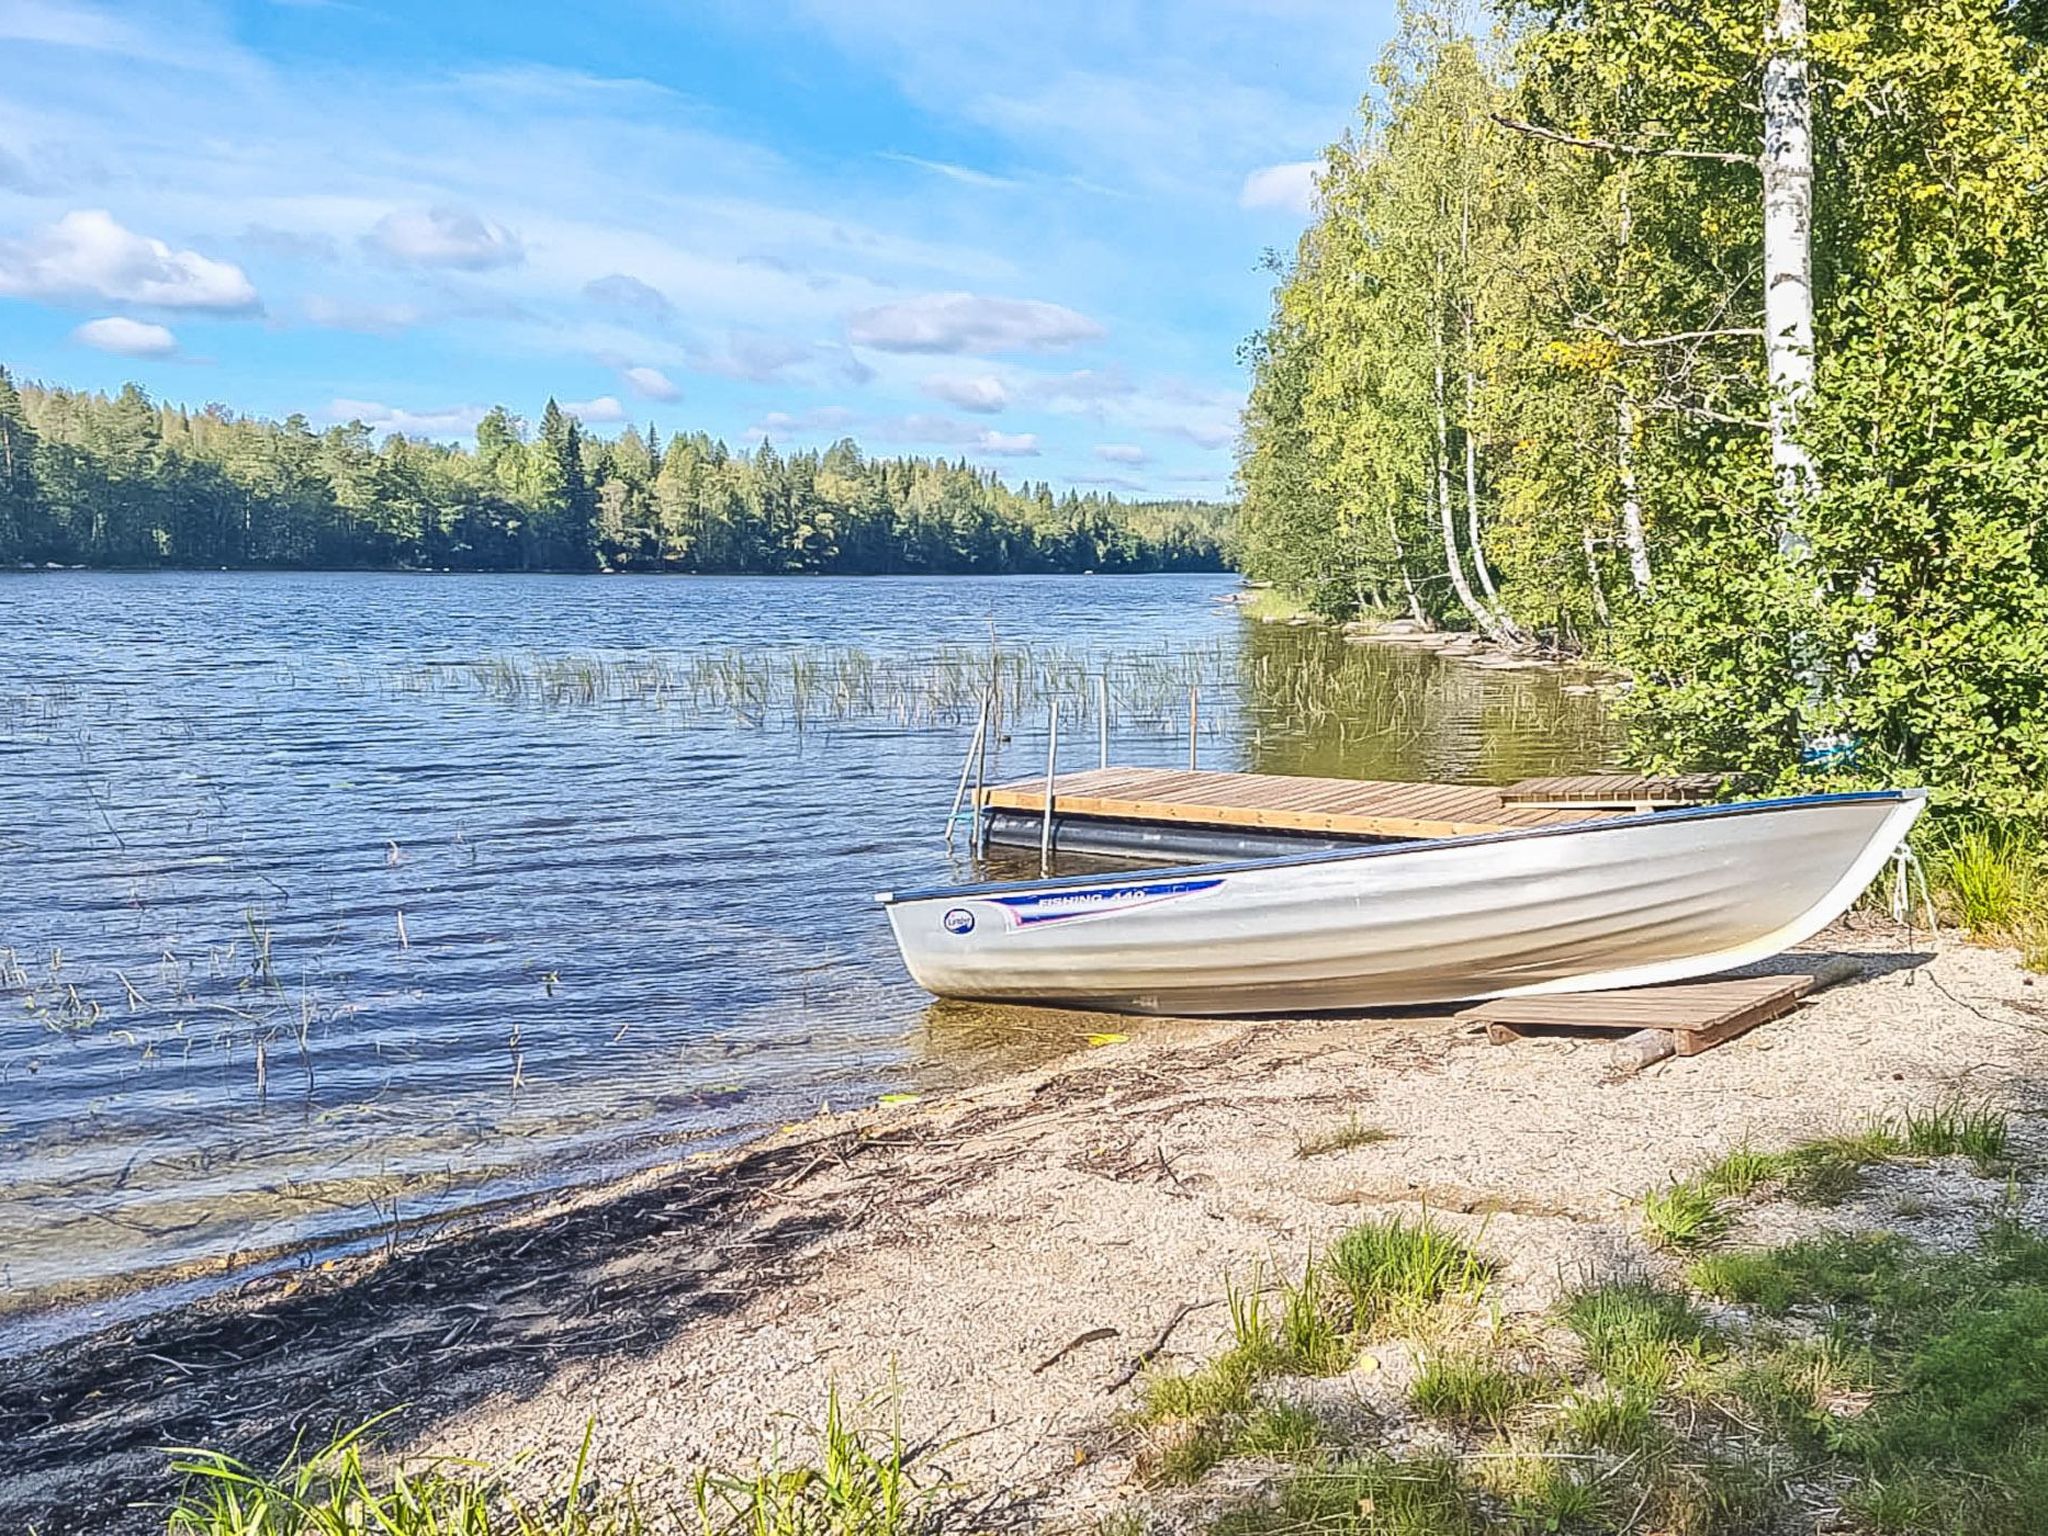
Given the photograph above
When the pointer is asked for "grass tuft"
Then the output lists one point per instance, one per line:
(331, 1491)
(1684, 1215)
(1375, 1495)
(1285, 1431)
(1637, 1334)
(1352, 1133)
(1400, 1267)
(1620, 1420)
(1472, 1388)
(1957, 1129)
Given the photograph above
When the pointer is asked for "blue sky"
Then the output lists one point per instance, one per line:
(1029, 235)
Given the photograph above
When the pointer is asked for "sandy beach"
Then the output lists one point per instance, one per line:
(985, 1269)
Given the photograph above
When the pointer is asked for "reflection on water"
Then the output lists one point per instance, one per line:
(339, 902)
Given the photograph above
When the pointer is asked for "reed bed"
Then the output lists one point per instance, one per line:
(1332, 694)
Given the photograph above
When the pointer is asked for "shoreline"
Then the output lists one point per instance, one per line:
(952, 1255)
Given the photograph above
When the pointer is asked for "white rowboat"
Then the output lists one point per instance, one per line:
(1628, 902)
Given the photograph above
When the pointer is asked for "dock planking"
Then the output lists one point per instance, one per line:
(1696, 1015)
(1363, 808)
(1617, 791)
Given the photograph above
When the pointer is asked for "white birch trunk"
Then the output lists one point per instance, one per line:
(1787, 164)
(1593, 578)
(1407, 578)
(1446, 521)
(1479, 564)
(1632, 537)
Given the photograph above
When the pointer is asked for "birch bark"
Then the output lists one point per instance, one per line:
(1787, 164)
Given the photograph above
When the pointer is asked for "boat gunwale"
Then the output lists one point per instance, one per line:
(1409, 845)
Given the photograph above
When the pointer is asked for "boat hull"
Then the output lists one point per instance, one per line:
(1622, 903)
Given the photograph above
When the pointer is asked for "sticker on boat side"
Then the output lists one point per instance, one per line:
(1027, 911)
(959, 920)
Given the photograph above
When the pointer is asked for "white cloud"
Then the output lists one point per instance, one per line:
(967, 322)
(87, 255)
(983, 393)
(651, 384)
(922, 427)
(965, 175)
(290, 244)
(823, 418)
(1010, 444)
(1112, 482)
(605, 408)
(369, 319)
(445, 236)
(1215, 433)
(1120, 453)
(621, 291)
(1289, 188)
(448, 421)
(129, 338)
(756, 356)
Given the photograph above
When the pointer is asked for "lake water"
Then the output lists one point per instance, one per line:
(334, 904)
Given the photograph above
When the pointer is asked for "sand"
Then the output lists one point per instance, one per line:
(956, 1265)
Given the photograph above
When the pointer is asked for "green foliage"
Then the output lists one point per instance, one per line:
(1588, 324)
(332, 1491)
(1955, 1127)
(1373, 1495)
(858, 1485)
(1352, 1133)
(1398, 1266)
(1930, 1391)
(1684, 1215)
(1637, 1334)
(89, 480)
(855, 1488)
(1620, 1420)
(1286, 1431)
(1472, 1387)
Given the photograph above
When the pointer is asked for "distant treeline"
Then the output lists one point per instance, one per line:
(86, 479)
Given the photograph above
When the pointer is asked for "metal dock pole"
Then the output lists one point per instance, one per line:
(1102, 718)
(1052, 758)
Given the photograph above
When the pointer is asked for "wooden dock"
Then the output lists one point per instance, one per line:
(1335, 808)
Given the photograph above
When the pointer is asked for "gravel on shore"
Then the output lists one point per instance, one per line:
(983, 1268)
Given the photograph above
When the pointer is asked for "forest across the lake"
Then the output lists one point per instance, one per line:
(123, 480)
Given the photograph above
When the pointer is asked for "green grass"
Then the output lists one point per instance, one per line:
(1801, 1391)
(1693, 1213)
(1832, 1270)
(857, 1485)
(1991, 878)
(1684, 1215)
(1472, 1388)
(1352, 1133)
(1621, 1420)
(1212, 1408)
(1372, 1495)
(332, 1491)
(1637, 1334)
(1957, 1129)
(1398, 1267)
(1946, 1354)
(1287, 1431)
(1739, 1173)
(1544, 1491)
(1308, 1327)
